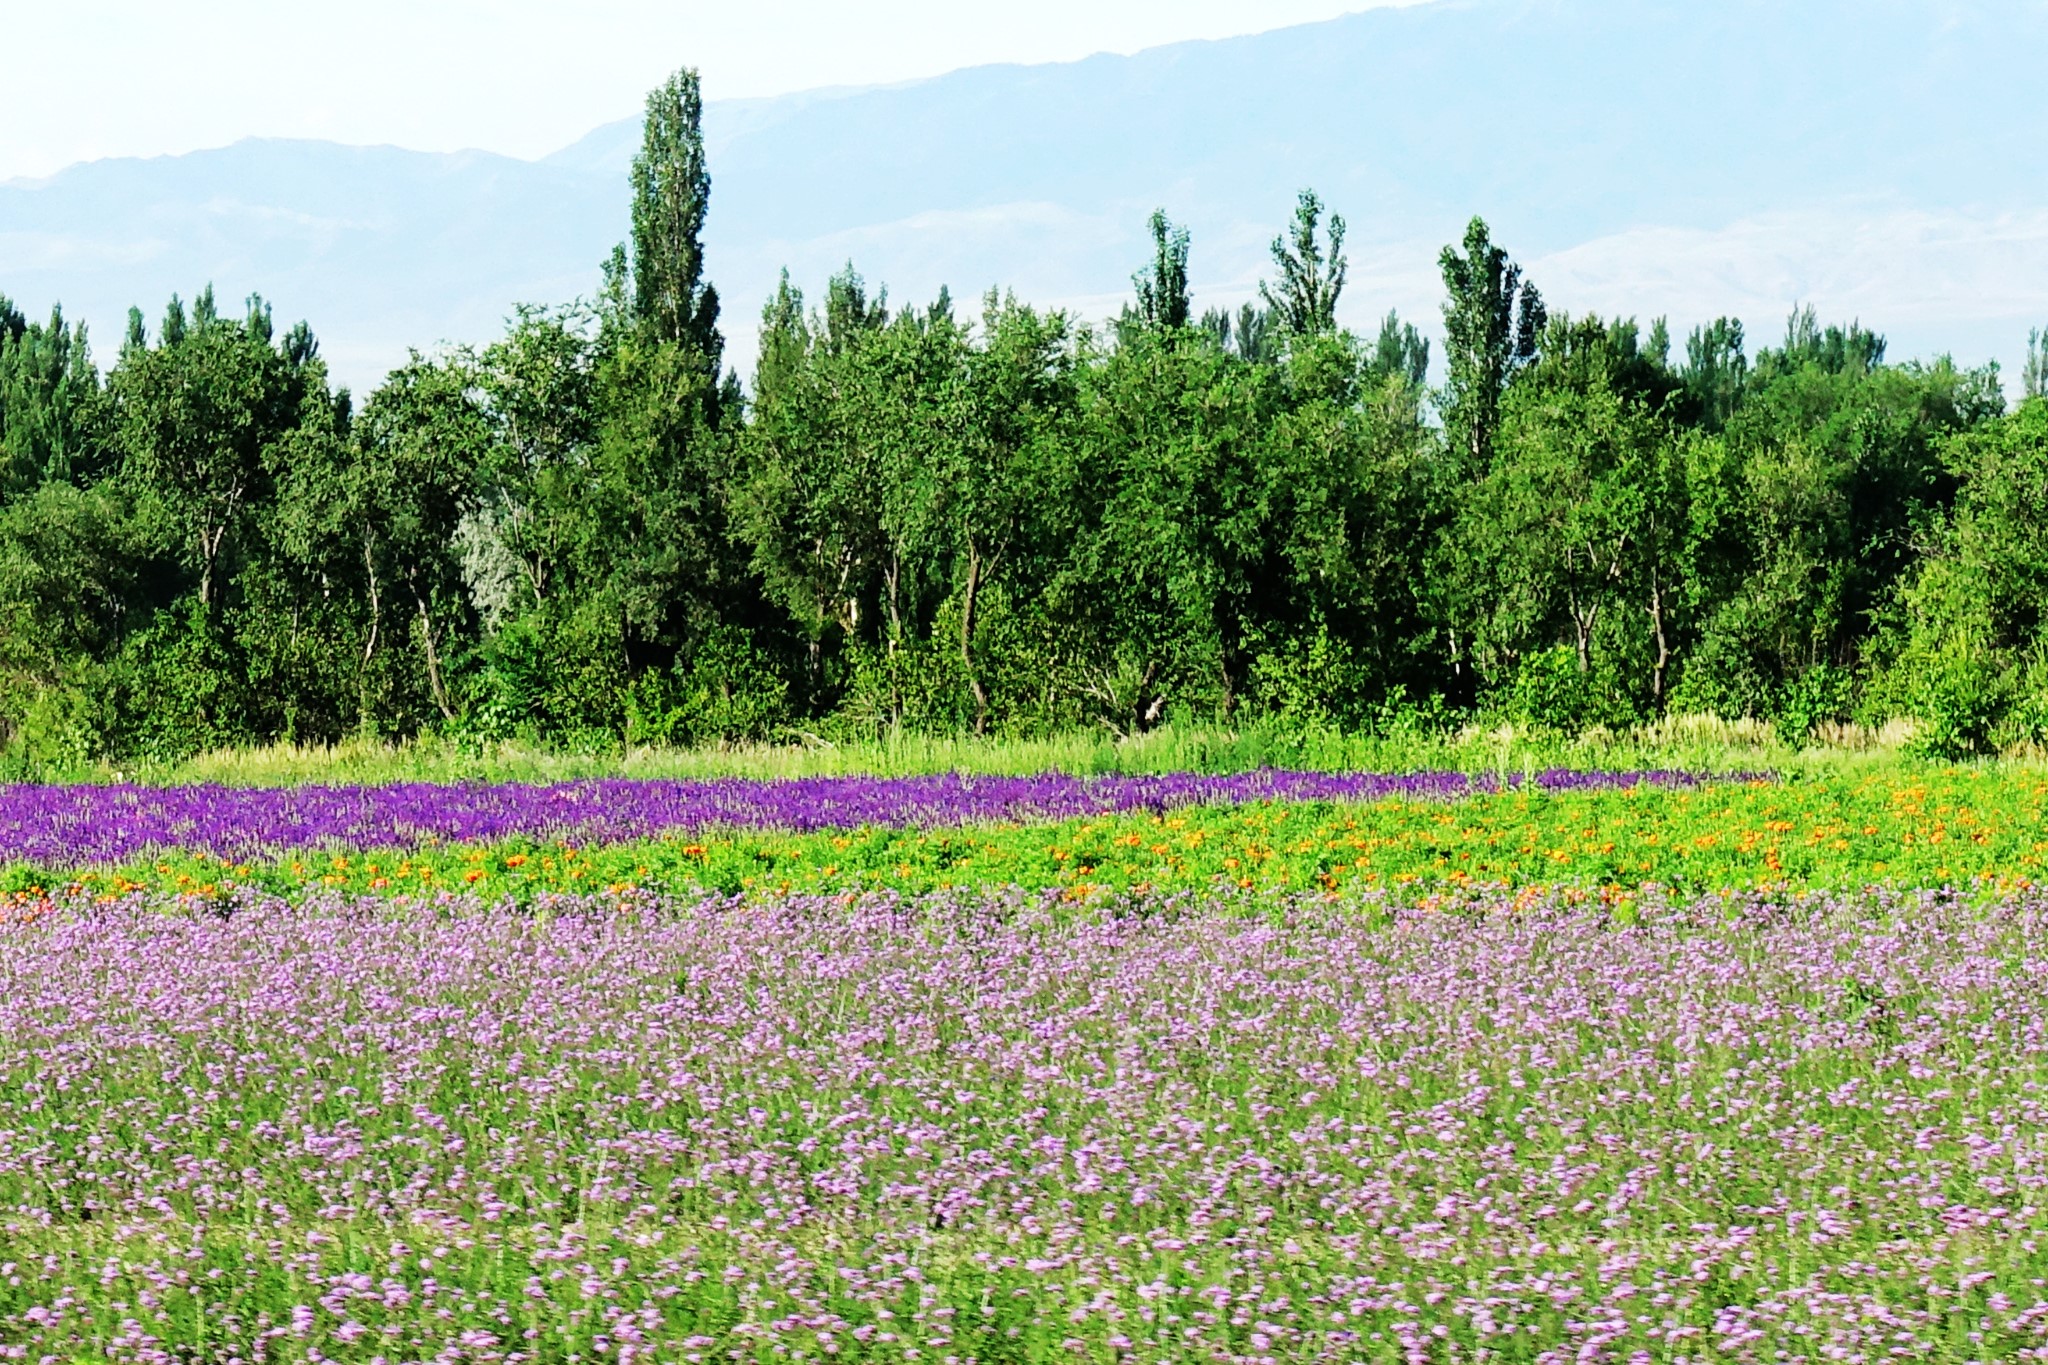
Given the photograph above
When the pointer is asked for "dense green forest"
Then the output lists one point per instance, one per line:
(996, 519)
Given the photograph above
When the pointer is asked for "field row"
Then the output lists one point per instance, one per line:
(1938, 828)
(1005, 1130)
(99, 824)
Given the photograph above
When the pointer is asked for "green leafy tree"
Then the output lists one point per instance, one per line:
(1164, 303)
(1562, 518)
(785, 343)
(1493, 320)
(1967, 650)
(1665, 558)
(1168, 517)
(671, 195)
(854, 414)
(202, 419)
(420, 447)
(1349, 500)
(1833, 349)
(1248, 334)
(654, 539)
(851, 316)
(1999, 529)
(1838, 476)
(238, 640)
(1303, 301)
(1006, 478)
(72, 581)
(537, 383)
(52, 409)
(794, 509)
(1716, 371)
(1399, 352)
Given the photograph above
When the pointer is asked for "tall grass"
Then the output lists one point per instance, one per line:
(1696, 743)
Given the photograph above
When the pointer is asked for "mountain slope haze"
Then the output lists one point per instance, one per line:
(1875, 158)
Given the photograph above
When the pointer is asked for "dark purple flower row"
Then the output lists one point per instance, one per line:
(62, 825)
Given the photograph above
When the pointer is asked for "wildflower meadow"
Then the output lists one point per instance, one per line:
(1282, 1066)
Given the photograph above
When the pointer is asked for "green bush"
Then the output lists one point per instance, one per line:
(1959, 701)
(1720, 676)
(562, 681)
(1313, 678)
(53, 733)
(916, 686)
(176, 688)
(1823, 694)
(725, 691)
(1547, 691)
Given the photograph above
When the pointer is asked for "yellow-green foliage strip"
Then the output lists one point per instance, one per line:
(1692, 743)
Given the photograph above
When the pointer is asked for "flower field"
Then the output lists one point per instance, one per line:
(1280, 1067)
(93, 823)
(1000, 1128)
(1263, 832)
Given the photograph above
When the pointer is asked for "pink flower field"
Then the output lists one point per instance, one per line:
(1006, 1129)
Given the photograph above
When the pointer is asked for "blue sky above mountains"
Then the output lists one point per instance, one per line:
(518, 77)
(1880, 159)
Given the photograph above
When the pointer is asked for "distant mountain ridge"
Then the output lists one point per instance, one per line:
(1876, 157)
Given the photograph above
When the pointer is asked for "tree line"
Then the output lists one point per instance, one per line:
(994, 518)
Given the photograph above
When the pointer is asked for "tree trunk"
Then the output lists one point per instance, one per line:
(967, 607)
(1663, 646)
(1227, 657)
(211, 538)
(1146, 714)
(370, 641)
(1582, 627)
(376, 604)
(209, 554)
(434, 681)
(892, 577)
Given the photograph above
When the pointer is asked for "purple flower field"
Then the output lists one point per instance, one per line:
(70, 825)
(1002, 1130)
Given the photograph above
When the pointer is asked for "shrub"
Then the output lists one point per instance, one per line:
(725, 691)
(1958, 701)
(1548, 692)
(1822, 694)
(175, 688)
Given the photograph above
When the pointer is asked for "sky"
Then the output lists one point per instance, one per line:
(521, 77)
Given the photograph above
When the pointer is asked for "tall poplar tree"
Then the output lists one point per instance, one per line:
(671, 194)
(1162, 287)
(50, 405)
(1304, 301)
(1716, 369)
(1492, 321)
(2034, 377)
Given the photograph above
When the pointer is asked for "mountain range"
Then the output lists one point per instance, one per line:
(1880, 159)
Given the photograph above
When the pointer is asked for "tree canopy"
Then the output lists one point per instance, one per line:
(1005, 519)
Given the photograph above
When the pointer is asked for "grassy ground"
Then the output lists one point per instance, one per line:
(1695, 743)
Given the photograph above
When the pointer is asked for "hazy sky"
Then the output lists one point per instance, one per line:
(143, 77)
